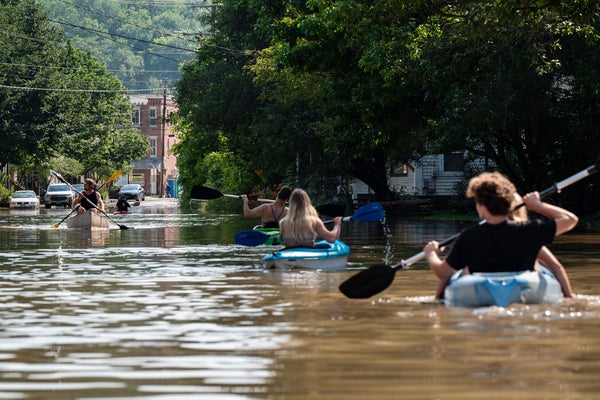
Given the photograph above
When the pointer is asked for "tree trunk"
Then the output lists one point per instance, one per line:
(373, 172)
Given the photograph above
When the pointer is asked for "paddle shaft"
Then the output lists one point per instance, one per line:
(249, 198)
(557, 187)
(200, 192)
(111, 178)
(59, 176)
(65, 218)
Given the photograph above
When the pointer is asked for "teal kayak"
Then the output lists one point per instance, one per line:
(324, 256)
(503, 288)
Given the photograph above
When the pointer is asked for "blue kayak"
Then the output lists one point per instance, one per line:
(324, 255)
(503, 288)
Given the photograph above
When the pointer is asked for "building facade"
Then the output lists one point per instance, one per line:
(432, 175)
(157, 171)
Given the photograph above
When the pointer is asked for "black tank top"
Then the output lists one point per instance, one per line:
(87, 199)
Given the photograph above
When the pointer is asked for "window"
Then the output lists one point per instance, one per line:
(152, 143)
(135, 116)
(453, 162)
(153, 116)
(400, 169)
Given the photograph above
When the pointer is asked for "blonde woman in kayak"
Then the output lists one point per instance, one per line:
(302, 226)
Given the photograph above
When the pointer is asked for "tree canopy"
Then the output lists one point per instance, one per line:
(336, 88)
(57, 101)
(140, 42)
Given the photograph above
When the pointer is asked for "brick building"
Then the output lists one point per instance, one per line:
(157, 170)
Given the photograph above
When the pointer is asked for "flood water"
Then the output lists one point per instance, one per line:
(172, 309)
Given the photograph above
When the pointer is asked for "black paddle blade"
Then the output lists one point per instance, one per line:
(204, 193)
(123, 227)
(368, 282)
(332, 209)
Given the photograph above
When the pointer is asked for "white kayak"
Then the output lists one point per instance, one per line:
(325, 256)
(503, 288)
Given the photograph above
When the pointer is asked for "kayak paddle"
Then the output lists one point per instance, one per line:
(370, 212)
(60, 178)
(65, 218)
(111, 178)
(377, 278)
(205, 193)
(252, 237)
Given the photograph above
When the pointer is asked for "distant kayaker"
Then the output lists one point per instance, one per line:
(269, 214)
(122, 204)
(302, 226)
(500, 245)
(89, 198)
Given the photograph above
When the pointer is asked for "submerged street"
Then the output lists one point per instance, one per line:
(171, 308)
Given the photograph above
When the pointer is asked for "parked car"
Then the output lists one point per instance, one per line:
(133, 191)
(24, 199)
(58, 194)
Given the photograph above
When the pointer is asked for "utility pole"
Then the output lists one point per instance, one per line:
(164, 83)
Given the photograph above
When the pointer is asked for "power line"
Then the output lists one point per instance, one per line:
(127, 22)
(25, 88)
(123, 36)
(88, 69)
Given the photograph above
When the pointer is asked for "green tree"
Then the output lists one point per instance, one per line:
(361, 85)
(60, 101)
(141, 43)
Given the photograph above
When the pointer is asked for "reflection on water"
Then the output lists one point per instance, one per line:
(172, 309)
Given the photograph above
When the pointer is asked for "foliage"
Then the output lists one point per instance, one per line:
(59, 102)
(142, 43)
(336, 88)
(5, 193)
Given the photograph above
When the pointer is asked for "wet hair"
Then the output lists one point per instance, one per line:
(284, 193)
(492, 190)
(300, 220)
(90, 182)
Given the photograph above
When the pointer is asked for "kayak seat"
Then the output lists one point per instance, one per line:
(502, 290)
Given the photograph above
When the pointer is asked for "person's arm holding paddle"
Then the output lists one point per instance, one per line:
(440, 267)
(256, 212)
(326, 234)
(565, 220)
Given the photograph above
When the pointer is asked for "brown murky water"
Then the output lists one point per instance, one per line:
(171, 309)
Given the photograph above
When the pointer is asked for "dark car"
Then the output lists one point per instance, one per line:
(133, 191)
(78, 189)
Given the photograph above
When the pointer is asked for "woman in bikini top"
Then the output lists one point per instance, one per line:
(269, 214)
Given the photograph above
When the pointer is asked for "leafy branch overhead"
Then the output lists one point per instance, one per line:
(326, 89)
(59, 101)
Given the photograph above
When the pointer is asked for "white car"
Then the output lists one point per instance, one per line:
(58, 194)
(24, 199)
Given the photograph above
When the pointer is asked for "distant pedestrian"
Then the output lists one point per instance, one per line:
(167, 191)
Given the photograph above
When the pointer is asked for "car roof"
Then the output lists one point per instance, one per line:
(62, 185)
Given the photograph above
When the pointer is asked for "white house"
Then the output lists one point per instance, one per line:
(432, 175)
